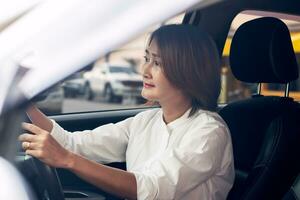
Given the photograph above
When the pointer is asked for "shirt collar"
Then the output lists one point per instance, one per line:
(177, 122)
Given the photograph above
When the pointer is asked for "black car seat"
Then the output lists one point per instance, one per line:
(265, 130)
(294, 192)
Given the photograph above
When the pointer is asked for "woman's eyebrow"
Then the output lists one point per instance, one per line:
(153, 54)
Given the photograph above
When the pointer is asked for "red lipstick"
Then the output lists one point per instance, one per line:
(148, 85)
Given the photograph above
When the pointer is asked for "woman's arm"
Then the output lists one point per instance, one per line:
(38, 118)
(111, 180)
(43, 146)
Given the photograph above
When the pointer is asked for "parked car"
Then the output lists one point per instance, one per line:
(77, 87)
(114, 82)
(52, 100)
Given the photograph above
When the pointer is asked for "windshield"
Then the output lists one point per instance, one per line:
(116, 69)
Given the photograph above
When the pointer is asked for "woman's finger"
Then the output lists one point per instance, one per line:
(26, 145)
(31, 145)
(32, 128)
(35, 145)
(27, 137)
(34, 153)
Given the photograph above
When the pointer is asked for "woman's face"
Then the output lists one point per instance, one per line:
(156, 86)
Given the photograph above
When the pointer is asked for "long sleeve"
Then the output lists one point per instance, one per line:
(104, 144)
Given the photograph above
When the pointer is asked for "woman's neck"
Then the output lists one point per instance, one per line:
(174, 109)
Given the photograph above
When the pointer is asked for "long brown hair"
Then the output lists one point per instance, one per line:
(191, 62)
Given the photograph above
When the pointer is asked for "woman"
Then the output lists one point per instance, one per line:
(179, 151)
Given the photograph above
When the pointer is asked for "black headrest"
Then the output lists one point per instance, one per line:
(261, 52)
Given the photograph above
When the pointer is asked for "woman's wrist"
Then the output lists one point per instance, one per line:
(70, 160)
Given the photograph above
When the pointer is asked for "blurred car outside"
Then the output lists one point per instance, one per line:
(115, 82)
(51, 101)
(77, 87)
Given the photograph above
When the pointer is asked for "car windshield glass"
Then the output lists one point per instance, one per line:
(116, 69)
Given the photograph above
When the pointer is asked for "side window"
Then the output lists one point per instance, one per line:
(232, 89)
(110, 83)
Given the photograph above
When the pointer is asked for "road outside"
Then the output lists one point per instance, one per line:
(80, 105)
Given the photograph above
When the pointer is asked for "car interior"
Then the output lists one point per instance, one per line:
(265, 130)
(267, 126)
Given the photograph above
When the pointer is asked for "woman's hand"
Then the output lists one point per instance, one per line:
(40, 144)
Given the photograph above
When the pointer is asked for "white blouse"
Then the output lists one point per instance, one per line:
(189, 158)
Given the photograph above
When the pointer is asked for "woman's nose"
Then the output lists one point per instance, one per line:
(146, 70)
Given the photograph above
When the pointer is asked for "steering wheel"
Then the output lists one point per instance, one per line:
(44, 179)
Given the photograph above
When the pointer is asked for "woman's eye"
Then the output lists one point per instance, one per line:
(156, 63)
